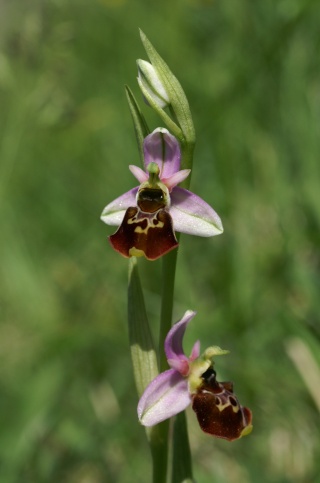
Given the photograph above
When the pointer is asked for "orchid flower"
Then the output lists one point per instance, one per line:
(149, 214)
(192, 380)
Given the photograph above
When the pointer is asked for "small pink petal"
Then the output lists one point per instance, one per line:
(195, 353)
(176, 178)
(193, 215)
(165, 396)
(162, 148)
(138, 173)
(173, 343)
(114, 212)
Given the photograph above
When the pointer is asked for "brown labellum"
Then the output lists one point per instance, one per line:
(148, 234)
(218, 410)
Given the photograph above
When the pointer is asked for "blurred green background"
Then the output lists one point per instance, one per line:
(251, 73)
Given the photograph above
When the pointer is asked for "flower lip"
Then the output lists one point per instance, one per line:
(144, 234)
(218, 410)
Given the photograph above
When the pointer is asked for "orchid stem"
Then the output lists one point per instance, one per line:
(158, 438)
(181, 454)
(179, 460)
(168, 279)
(159, 434)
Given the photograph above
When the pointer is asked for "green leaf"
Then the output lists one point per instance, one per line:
(144, 359)
(140, 125)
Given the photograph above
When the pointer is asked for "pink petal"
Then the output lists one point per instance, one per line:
(165, 396)
(173, 343)
(176, 178)
(138, 173)
(195, 353)
(114, 212)
(162, 148)
(192, 215)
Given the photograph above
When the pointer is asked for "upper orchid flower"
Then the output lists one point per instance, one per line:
(149, 214)
(193, 380)
(149, 80)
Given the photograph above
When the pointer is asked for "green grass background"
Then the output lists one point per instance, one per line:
(251, 73)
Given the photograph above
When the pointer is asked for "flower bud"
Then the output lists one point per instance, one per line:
(149, 81)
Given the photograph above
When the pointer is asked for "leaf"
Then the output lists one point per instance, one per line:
(144, 359)
(140, 124)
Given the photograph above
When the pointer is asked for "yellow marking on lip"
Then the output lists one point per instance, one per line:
(150, 224)
(135, 252)
(221, 406)
(247, 430)
(138, 229)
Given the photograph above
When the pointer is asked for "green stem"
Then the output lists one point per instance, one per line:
(181, 460)
(187, 150)
(168, 278)
(158, 435)
(158, 439)
(181, 454)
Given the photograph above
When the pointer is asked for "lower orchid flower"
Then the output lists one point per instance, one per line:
(192, 380)
(149, 214)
